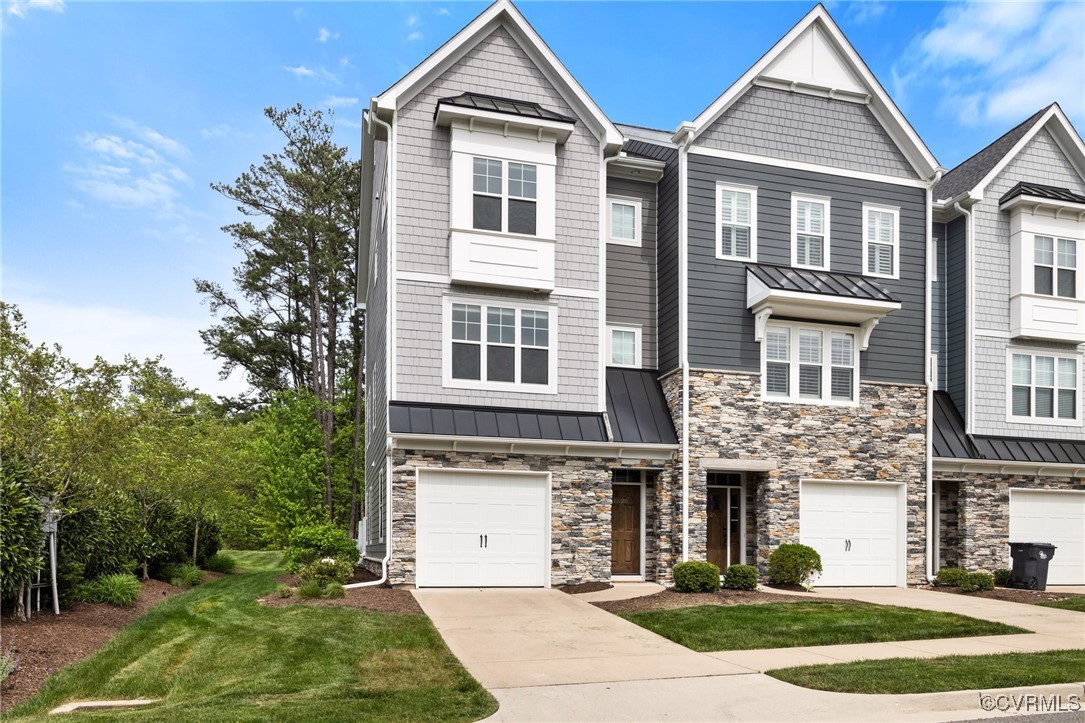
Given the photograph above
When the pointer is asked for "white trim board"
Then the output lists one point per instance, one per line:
(804, 166)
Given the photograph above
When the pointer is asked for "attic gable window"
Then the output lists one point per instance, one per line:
(502, 207)
(1055, 267)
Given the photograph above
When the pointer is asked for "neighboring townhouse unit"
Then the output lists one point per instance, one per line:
(1009, 335)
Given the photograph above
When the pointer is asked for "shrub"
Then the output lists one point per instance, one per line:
(313, 542)
(221, 562)
(1002, 577)
(20, 530)
(793, 564)
(309, 589)
(327, 570)
(120, 589)
(950, 577)
(696, 576)
(7, 664)
(181, 575)
(284, 591)
(974, 581)
(334, 591)
(740, 577)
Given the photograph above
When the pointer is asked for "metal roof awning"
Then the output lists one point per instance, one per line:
(469, 107)
(636, 407)
(494, 422)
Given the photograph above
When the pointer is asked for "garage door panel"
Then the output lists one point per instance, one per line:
(854, 527)
(1055, 517)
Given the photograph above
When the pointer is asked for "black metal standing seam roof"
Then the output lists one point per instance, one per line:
(950, 441)
(1054, 193)
(636, 407)
(508, 106)
(973, 170)
(468, 421)
(831, 283)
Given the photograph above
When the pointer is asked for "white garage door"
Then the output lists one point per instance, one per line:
(1055, 517)
(482, 530)
(854, 527)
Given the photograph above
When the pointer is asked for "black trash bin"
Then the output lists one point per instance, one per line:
(1030, 561)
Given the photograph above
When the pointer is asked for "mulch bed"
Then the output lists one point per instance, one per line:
(49, 642)
(378, 598)
(1009, 594)
(584, 587)
(669, 600)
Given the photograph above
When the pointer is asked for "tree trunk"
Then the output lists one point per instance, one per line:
(20, 604)
(320, 389)
(195, 538)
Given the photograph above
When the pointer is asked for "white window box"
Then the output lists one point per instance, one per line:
(1052, 318)
(502, 260)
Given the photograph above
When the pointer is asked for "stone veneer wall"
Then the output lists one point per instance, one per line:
(949, 531)
(580, 509)
(984, 514)
(883, 439)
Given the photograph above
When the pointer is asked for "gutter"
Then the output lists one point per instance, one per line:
(970, 317)
(1053, 469)
(441, 442)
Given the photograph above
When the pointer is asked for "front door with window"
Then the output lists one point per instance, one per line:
(625, 530)
(724, 526)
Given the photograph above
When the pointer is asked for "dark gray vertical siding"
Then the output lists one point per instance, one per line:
(721, 327)
(938, 301)
(956, 311)
(668, 303)
(631, 270)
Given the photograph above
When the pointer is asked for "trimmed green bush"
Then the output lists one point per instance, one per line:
(740, 577)
(950, 577)
(334, 591)
(221, 562)
(314, 542)
(974, 581)
(120, 589)
(309, 589)
(1002, 577)
(327, 570)
(181, 575)
(20, 532)
(696, 576)
(793, 564)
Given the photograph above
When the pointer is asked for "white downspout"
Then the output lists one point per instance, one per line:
(683, 325)
(388, 442)
(970, 323)
(932, 376)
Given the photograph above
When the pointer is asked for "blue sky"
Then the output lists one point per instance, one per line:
(116, 117)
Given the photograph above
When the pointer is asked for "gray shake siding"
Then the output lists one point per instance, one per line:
(721, 330)
(631, 271)
(376, 372)
(800, 127)
(497, 66)
(956, 312)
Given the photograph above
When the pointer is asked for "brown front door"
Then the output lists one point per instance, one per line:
(717, 530)
(625, 531)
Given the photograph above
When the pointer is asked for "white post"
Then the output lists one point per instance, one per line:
(53, 566)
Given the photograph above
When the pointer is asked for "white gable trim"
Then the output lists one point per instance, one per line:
(503, 14)
(1061, 130)
(879, 102)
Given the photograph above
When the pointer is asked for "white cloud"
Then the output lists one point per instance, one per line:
(19, 8)
(325, 35)
(150, 135)
(444, 11)
(412, 20)
(866, 10)
(414, 36)
(220, 130)
(299, 71)
(338, 101)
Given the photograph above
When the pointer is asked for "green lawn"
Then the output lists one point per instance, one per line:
(1070, 603)
(214, 654)
(785, 625)
(934, 675)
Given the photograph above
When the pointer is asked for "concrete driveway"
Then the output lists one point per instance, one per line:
(517, 638)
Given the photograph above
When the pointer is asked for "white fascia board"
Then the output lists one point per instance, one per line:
(954, 465)
(610, 450)
(503, 12)
(636, 169)
(792, 303)
(1036, 202)
(546, 129)
(883, 107)
(1060, 128)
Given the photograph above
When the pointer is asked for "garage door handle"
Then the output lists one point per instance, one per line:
(480, 540)
(847, 545)
(486, 540)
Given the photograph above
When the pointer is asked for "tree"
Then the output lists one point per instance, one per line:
(296, 280)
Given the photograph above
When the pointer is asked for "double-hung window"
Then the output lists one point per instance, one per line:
(804, 363)
(623, 221)
(1044, 388)
(881, 241)
(1055, 267)
(499, 345)
(623, 346)
(810, 232)
(736, 222)
(504, 197)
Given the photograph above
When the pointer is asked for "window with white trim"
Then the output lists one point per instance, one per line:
(810, 232)
(1055, 266)
(623, 346)
(809, 363)
(505, 207)
(736, 222)
(1044, 388)
(623, 221)
(881, 241)
(499, 345)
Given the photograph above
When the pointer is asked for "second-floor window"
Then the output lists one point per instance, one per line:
(803, 363)
(881, 241)
(623, 221)
(504, 196)
(810, 232)
(499, 345)
(1055, 267)
(1043, 388)
(623, 346)
(736, 222)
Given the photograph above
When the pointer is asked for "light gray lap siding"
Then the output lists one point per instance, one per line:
(631, 271)
(376, 372)
(957, 312)
(801, 127)
(721, 334)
